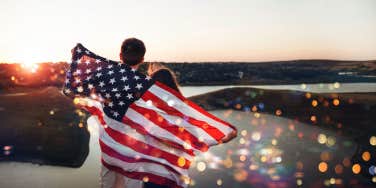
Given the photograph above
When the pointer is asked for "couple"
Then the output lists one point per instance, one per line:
(132, 53)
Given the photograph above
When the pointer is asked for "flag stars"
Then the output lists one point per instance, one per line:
(88, 78)
(121, 103)
(122, 70)
(148, 78)
(110, 72)
(97, 61)
(124, 78)
(78, 50)
(107, 95)
(80, 89)
(98, 74)
(126, 88)
(78, 61)
(114, 90)
(77, 72)
(139, 86)
(136, 77)
(133, 70)
(88, 71)
(101, 84)
(67, 91)
(99, 68)
(109, 66)
(116, 114)
(111, 104)
(117, 95)
(129, 96)
(78, 80)
(90, 86)
(87, 62)
(87, 52)
(112, 81)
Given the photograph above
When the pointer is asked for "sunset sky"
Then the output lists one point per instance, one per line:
(190, 30)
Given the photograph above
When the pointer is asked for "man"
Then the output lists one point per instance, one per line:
(132, 53)
(138, 141)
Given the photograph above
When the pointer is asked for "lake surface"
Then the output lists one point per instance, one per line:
(313, 88)
(269, 151)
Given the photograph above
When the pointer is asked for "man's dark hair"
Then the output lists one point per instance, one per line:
(132, 51)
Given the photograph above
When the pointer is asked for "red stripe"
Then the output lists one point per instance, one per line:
(211, 130)
(95, 111)
(139, 128)
(191, 104)
(111, 152)
(141, 175)
(144, 148)
(172, 128)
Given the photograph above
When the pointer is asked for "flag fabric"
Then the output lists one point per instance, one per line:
(149, 131)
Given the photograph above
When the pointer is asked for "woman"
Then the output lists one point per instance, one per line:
(162, 74)
(165, 76)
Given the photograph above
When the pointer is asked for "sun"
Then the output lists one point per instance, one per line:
(31, 67)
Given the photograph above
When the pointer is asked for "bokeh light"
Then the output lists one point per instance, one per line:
(335, 102)
(366, 156)
(314, 103)
(336, 85)
(338, 169)
(322, 138)
(323, 167)
(356, 168)
(201, 166)
(240, 175)
(372, 140)
(325, 156)
(256, 136)
(219, 182)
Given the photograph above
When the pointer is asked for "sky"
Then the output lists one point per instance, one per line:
(190, 30)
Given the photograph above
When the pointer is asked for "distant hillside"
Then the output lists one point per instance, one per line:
(286, 72)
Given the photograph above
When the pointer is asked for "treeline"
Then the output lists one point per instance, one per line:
(287, 72)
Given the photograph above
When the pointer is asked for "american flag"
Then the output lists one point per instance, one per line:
(149, 131)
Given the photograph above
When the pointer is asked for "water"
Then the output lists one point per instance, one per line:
(270, 151)
(314, 88)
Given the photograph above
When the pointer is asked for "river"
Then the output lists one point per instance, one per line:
(269, 151)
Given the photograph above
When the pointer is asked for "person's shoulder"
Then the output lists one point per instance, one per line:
(162, 73)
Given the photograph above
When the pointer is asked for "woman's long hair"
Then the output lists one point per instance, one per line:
(153, 67)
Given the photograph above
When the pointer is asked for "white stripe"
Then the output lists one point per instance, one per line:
(129, 152)
(154, 129)
(144, 167)
(186, 109)
(199, 133)
(125, 129)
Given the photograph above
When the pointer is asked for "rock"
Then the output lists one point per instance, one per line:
(42, 127)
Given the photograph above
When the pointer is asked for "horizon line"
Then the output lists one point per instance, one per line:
(253, 62)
